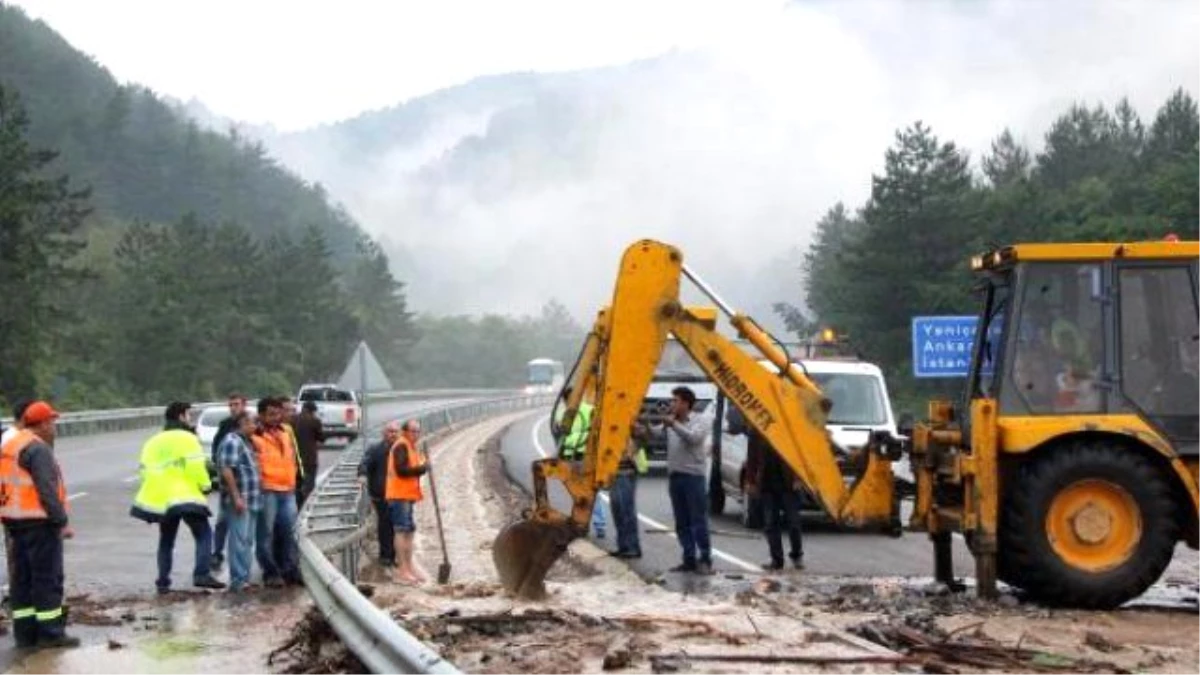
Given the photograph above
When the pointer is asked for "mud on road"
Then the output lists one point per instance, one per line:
(602, 617)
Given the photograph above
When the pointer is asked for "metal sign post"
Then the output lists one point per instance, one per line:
(362, 396)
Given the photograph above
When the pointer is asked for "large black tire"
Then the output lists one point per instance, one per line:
(1027, 556)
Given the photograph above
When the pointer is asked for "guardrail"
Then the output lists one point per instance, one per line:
(338, 506)
(87, 422)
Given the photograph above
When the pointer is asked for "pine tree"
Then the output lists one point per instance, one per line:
(40, 219)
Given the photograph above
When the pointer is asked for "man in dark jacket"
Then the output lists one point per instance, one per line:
(774, 483)
(237, 405)
(372, 474)
(309, 437)
(34, 511)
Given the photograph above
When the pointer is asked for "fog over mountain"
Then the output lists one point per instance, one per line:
(507, 190)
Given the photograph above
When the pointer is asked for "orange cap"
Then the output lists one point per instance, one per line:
(38, 412)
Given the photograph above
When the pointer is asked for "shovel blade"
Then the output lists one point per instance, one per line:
(443, 573)
(524, 552)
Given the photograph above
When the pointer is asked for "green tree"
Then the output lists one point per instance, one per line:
(1175, 134)
(40, 218)
(1100, 177)
(377, 304)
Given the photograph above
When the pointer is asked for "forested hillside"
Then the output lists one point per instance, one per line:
(142, 258)
(143, 160)
(1102, 175)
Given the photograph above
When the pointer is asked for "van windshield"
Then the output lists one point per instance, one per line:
(677, 365)
(335, 395)
(857, 399)
(212, 417)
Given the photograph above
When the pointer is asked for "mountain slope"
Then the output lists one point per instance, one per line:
(143, 159)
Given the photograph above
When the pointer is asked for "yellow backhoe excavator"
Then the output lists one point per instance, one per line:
(1072, 473)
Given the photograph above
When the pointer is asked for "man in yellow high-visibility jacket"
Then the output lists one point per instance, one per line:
(574, 446)
(175, 484)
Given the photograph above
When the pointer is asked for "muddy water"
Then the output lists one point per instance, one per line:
(210, 634)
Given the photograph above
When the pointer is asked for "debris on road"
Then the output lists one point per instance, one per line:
(314, 648)
(602, 617)
(599, 617)
(1123, 640)
(943, 652)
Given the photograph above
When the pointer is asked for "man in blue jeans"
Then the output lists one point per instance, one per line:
(278, 464)
(174, 489)
(688, 443)
(624, 496)
(242, 497)
(237, 404)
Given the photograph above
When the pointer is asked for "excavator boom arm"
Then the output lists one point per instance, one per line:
(785, 407)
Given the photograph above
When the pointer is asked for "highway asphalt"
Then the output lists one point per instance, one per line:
(828, 552)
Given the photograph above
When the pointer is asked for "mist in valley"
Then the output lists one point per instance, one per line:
(503, 192)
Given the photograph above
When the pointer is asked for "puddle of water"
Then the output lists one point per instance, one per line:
(215, 634)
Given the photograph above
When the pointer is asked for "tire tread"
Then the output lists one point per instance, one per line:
(1027, 559)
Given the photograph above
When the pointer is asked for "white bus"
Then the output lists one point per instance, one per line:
(544, 376)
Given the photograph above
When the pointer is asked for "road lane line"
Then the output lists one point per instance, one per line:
(717, 553)
(77, 495)
(130, 479)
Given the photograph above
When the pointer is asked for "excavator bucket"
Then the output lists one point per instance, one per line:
(524, 552)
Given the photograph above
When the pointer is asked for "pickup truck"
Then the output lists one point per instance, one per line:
(338, 409)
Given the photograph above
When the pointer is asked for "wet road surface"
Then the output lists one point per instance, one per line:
(112, 559)
(735, 548)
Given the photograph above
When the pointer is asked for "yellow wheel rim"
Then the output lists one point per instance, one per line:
(1094, 525)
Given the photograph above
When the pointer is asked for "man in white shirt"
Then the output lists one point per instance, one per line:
(689, 441)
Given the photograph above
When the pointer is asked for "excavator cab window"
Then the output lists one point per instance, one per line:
(1056, 346)
(989, 337)
(1157, 333)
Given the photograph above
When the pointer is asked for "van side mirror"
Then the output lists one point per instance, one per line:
(905, 425)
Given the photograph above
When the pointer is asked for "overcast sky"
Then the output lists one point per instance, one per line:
(791, 112)
(299, 63)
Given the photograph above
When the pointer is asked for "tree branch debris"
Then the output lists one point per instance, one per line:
(943, 652)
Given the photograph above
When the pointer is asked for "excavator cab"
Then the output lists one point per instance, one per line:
(1071, 469)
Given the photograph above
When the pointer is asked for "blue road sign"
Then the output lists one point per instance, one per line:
(942, 345)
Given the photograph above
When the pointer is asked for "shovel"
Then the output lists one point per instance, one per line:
(443, 575)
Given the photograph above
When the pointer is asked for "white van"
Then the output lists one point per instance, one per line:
(860, 406)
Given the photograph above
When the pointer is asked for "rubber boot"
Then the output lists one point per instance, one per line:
(52, 634)
(25, 632)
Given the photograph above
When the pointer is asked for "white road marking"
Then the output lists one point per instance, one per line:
(729, 558)
(130, 479)
(77, 495)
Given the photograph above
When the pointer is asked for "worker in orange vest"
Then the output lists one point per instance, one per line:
(405, 466)
(276, 548)
(33, 507)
